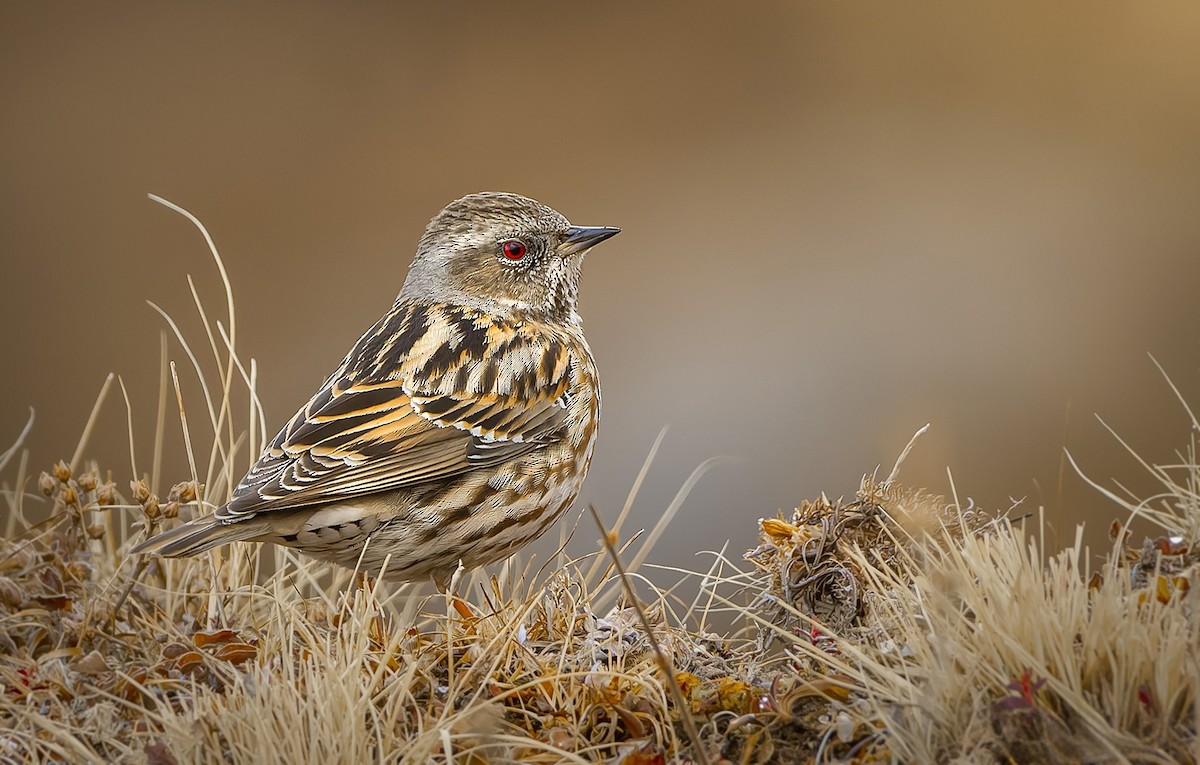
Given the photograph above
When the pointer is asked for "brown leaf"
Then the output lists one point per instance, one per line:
(1171, 546)
(1114, 531)
(157, 753)
(645, 755)
(631, 722)
(129, 689)
(1162, 589)
(201, 639)
(92, 664)
(57, 602)
(189, 661)
(1182, 585)
(236, 653)
(1166, 588)
(174, 650)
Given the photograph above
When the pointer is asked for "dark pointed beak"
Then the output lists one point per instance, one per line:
(581, 238)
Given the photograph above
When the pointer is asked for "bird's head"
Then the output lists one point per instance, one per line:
(504, 254)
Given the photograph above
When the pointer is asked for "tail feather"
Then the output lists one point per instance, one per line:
(200, 535)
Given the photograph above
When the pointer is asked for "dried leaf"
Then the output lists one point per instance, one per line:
(157, 753)
(11, 593)
(1171, 545)
(174, 650)
(687, 682)
(201, 639)
(189, 661)
(56, 602)
(92, 664)
(647, 754)
(236, 653)
(777, 528)
(1114, 532)
(129, 689)
(632, 724)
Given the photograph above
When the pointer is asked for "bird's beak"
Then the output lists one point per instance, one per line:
(582, 238)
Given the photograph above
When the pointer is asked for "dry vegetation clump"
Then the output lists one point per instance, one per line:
(890, 628)
(954, 637)
(108, 659)
(896, 627)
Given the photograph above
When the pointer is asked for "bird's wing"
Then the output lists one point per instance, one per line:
(392, 418)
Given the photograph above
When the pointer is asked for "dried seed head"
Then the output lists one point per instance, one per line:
(47, 484)
(87, 481)
(97, 531)
(141, 492)
(62, 471)
(150, 508)
(316, 612)
(184, 491)
(170, 510)
(106, 494)
(79, 571)
(69, 496)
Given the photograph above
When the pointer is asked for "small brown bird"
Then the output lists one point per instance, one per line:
(458, 428)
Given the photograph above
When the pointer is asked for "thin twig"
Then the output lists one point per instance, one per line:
(160, 422)
(129, 425)
(187, 437)
(140, 569)
(629, 499)
(900, 460)
(91, 422)
(664, 663)
(7, 455)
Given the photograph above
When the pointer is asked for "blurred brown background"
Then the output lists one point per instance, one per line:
(842, 220)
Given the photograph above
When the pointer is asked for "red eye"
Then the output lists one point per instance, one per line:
(514, 249)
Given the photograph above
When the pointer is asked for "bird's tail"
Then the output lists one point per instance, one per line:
(200, 535)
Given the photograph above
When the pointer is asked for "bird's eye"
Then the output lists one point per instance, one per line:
(514, 249)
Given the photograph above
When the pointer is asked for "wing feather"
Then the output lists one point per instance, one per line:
(383, 421)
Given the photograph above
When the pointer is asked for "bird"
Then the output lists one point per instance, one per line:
(457, 429)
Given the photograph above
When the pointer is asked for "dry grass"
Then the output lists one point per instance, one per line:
(898, 626)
